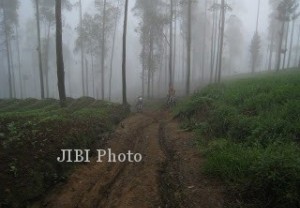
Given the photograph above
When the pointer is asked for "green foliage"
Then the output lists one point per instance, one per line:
(252, 131)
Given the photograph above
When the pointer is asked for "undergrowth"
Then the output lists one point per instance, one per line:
(249, 130)
(32, 134)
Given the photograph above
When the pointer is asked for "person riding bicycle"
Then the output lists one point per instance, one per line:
(171, 96)
(171, 91)
(140, 103)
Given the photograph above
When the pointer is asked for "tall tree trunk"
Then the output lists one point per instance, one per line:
(218, 36)
(93, 75)
(271, 51)
(291, 44)
(213, 46)
(222, 40)
(47, 60)
(87, 76)
(281, 34)
(103, 51)
(174, 42)
(143, 67)
(19, 62)
(39, 49)
(112, 54)
(285, 45)
(150, 63)
(297, 49)
(204, 42)
(81, 50)
(59, 54)
(12, 70)
(7, 50)
(189, 41)
(171, 46)
(124, 55)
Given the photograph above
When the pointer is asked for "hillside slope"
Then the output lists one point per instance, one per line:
(249, 130)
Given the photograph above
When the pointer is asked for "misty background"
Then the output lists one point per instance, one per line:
(240, 25)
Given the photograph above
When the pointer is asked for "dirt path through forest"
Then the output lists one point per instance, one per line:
(168, 176)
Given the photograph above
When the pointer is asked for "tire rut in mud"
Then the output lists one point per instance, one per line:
(170, 185)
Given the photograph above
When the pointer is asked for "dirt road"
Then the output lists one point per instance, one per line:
(168, 176)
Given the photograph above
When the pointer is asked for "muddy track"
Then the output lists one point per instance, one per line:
(158, 181)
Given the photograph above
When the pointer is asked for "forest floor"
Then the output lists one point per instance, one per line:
(169, 175)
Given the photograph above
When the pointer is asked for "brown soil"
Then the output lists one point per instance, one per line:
(168, 176)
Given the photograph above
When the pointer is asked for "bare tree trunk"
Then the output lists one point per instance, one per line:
(278, 61)
(291, 44)
(39, 49)
(143, 67)
(213, 46)
(174, 42)
(204, 42)
(93, 75)
(285, 45)
(218, 35)
(12, 70)
(103, 51)
(59, 54)
(81, 50)
(87, 76)
(271, 51)
(7, 50)
(189, 41)
(112, 55)
(297, 49)
(150, 63)
(124, 55)
(171, 46)
(47, 60)
(222, 39)
(19, 62)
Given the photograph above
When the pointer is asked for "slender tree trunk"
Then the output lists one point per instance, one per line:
(189, 41)
(143, 67)
(212, 49)
(113, 53)
(218, 46)
(87, 76)
(39, 49)
(285, 45)
(174, 42)
(47, 60)
(297, 49)
(204, 42)
(150, 63)
(278, 61)
(19, 62)
(124, 55)
(12, 70)
(93, 75)
(271, 51)
(291, 44)
(171, 46)
(7, 49)
(103, 51)
(222, 39)
(59, 54)
(81, 50)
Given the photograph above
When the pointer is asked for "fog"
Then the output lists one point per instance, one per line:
(240, 26)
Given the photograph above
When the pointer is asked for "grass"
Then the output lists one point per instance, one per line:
(249, 130)
(32, 133)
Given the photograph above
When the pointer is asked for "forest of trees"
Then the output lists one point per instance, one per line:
(182, 44)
